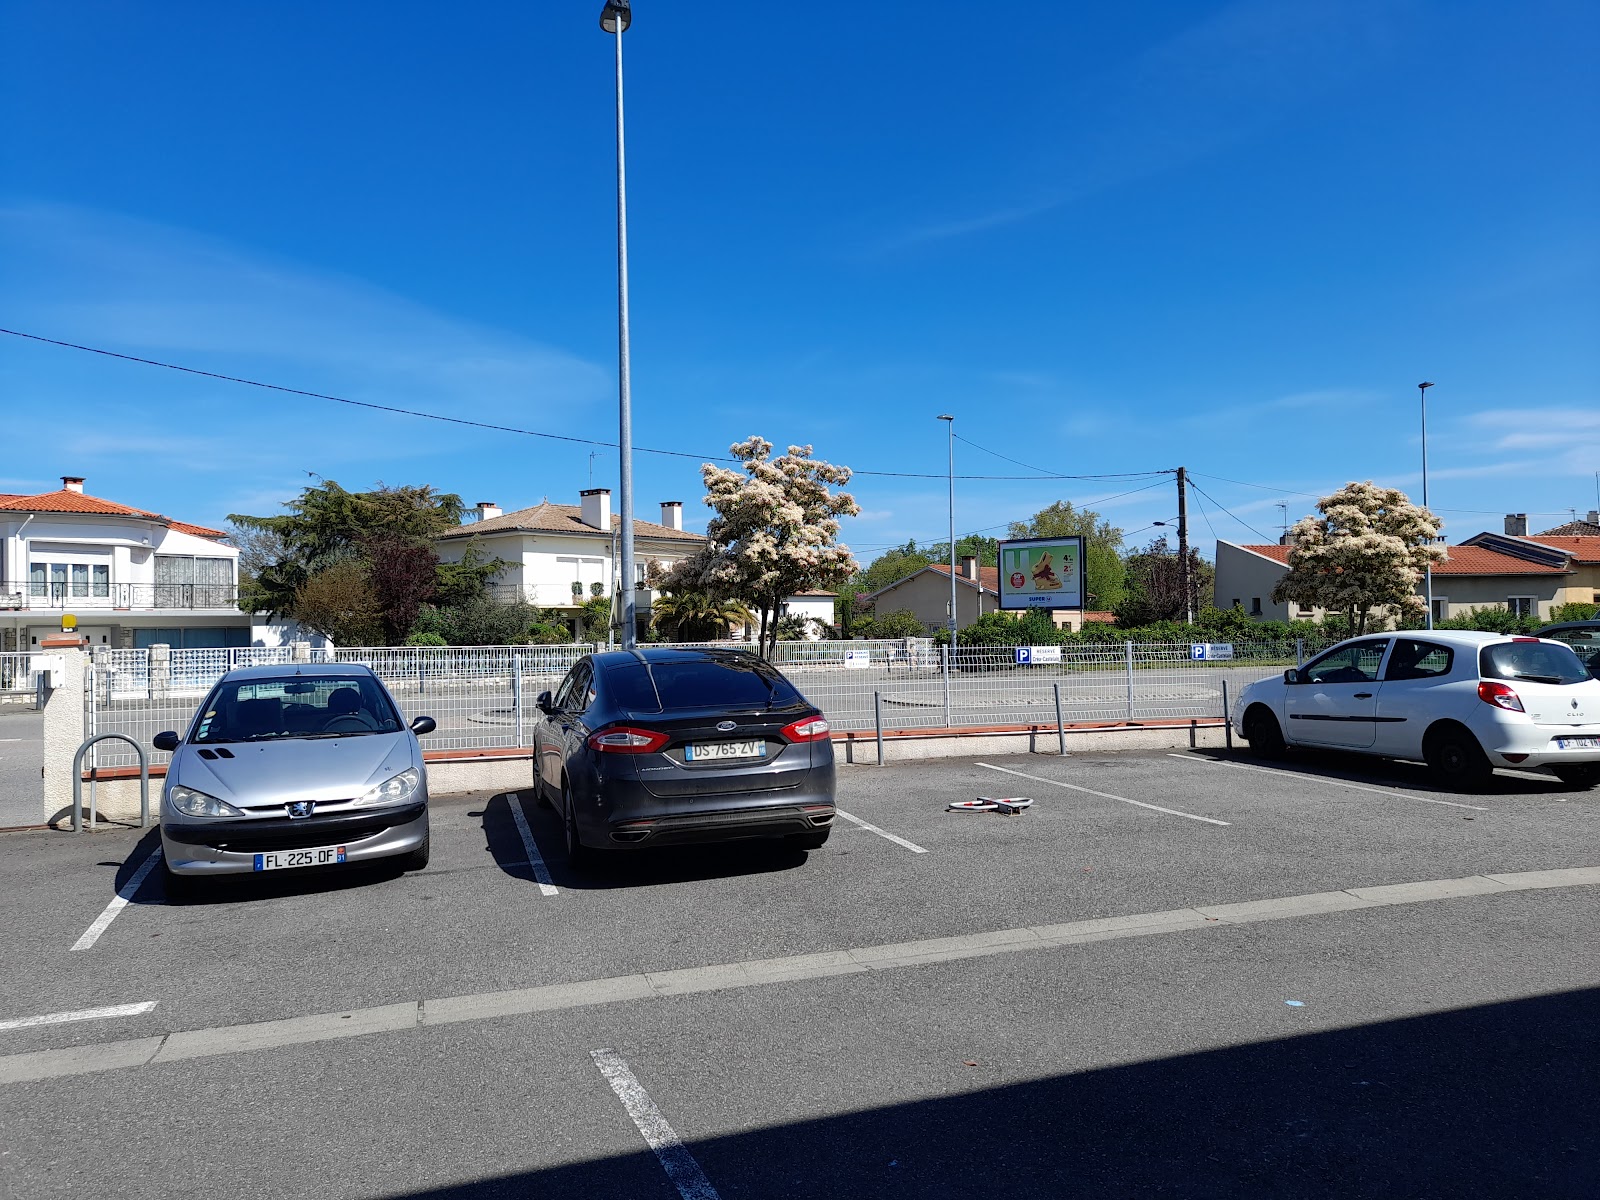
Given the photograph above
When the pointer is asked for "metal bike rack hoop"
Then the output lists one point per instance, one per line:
(77, 782)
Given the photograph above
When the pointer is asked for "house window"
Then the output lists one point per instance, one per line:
(1522, 606)
(1234, 603)
(1441, 608)
(184, 582)
(1305, 611)
(1255, 606)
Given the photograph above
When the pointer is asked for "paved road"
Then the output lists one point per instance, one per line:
(21, 756)
(1442, 1040)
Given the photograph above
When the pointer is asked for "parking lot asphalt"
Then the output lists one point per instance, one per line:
(1169, 1061)
(21, 756)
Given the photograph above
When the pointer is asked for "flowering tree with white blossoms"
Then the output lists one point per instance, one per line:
(775, 532)
(1366, 551)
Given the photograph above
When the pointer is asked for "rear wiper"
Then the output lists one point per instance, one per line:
(1539, 678)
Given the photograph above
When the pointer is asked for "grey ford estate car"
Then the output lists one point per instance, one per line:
(660, 746)
(293, 766)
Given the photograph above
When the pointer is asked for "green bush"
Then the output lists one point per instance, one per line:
(426, 639)
(1493, 618)
(901, 623)
(1575, 611)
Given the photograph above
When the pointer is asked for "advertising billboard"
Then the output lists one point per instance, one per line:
(1042, 573)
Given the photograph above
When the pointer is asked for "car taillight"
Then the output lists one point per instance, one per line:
(806, 729)
(624, 739)
(1500, 695)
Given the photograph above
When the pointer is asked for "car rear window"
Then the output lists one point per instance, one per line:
(1536, 662)
(698, 683)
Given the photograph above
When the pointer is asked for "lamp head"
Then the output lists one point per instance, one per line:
(1423, 386)
(616, 16)
(946, 417)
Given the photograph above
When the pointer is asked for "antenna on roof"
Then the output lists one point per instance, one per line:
(592, 453)
(1283, 515)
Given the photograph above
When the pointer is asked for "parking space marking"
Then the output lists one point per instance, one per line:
(1354, 787)
(1108, 796)
(883, 833)
(556, 997)
(118, 902)
(546, 888)
(673, 1155)
(82, 1014)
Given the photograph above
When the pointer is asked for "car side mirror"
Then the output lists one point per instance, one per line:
(167, 741)
(1292, 675)
(423, 726)
(545, 703)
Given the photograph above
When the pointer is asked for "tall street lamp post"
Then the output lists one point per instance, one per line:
(1422, 395)
(953, 622)
(615, 19)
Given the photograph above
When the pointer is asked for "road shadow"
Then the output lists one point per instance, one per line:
(1492, 1101)
(1363, 768)
(651, 867)
(243, 889)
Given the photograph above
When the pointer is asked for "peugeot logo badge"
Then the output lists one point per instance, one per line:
(301, 808)
(727, 726)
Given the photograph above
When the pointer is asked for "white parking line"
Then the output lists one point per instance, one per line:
(1354, 787)
(675, 1159)
(1108, 796)
(82, 1014)
(546, 888)
(118, 902)
(883, 833)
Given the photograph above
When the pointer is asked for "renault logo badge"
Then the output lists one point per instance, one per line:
(301, 808)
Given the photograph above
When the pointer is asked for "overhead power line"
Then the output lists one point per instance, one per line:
(557, 437)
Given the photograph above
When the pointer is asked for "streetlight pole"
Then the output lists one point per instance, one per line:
(615, 19)
(953, 620)
(1422, 395)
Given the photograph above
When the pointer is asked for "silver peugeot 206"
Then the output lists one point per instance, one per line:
(289, 767)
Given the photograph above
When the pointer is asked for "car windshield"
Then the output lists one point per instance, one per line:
(1536, 662)
(296, 706)
(733, 681)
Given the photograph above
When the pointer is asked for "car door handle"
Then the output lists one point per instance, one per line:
(1363, 695)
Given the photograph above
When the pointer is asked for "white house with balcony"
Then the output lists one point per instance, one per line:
(128, 576)
(561, 555)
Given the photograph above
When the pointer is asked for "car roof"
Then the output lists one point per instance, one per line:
(290, 670)
(1458, 637)
(1568, 625)
(671, 654)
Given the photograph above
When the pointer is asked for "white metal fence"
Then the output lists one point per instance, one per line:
(16, 673)
(483, 696)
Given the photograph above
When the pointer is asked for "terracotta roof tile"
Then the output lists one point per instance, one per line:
(1462, 560)
(1583, 549)
(988, 577)
(563, 518)
(1570, 529)
(67, 501)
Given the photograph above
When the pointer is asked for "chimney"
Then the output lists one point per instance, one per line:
(597, 508)
(1594, 516)
(487, 509)
(672, 514)
(1516, 524)
(969, 567)
(72, 483)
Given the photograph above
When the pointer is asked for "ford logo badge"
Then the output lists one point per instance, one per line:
(727, 726)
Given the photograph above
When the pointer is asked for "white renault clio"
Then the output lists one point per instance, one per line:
(1464, 702)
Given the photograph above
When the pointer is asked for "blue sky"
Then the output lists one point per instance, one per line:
(1113, 239)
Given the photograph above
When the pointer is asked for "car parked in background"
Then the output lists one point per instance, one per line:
(1464, 702)
(1582, 636)
(293, 766)
(660, 746)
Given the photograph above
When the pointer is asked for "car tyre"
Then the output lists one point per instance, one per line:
(180, 889)
(807, 841)
(1579, 776)
(1262, 732)
(578, 855)
(418, 858)
(1455, 757)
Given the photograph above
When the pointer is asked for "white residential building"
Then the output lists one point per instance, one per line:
(130, 577)
(561, 555)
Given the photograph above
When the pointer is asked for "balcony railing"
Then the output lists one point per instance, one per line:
(115, 597)
(551, 595)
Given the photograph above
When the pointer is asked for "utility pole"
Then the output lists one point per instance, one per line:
(1183, 546)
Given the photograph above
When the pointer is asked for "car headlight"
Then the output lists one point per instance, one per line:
(197, 804)
(392, 791)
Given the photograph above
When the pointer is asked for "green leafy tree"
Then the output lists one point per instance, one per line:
(901, 623)
(987, 550)
(1367, 550)
(698, 617)
(1153, 584)
(339, 603)
(1103, 570)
